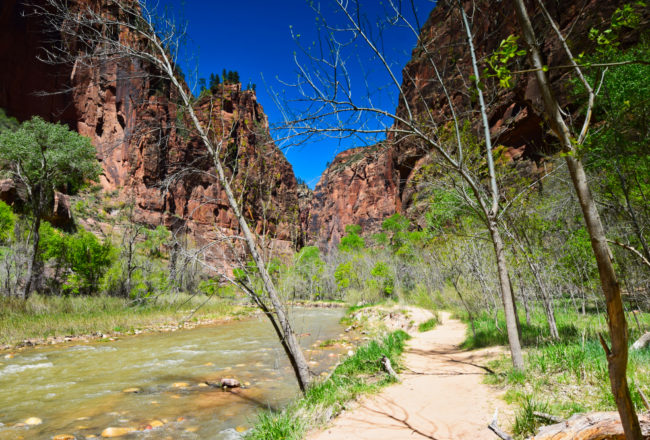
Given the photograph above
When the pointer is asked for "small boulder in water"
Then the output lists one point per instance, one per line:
(180, 385)
(33, 421)
(230, 383)
(64, 437)
(132, 390)
(116, 432)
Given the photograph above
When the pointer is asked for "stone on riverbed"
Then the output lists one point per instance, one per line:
(230, 383)
(116, 432)
(64, 437)
(132, 390)
(33, 421)
(231, 434)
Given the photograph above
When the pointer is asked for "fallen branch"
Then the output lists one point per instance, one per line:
(493, 426)
(385, 363)
(549, 417)
(643, 397)
(642, 342)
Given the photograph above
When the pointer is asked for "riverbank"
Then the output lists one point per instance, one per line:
(45, 320)
(384, 328)
(52, 320)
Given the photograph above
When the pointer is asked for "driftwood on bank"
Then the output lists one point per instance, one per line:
(549, 417)
(592, 426)
(494, 427)
(642, 342)
(385, 363)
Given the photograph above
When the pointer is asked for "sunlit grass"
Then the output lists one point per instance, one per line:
(561, 377)
(45, 316)
(357, 374)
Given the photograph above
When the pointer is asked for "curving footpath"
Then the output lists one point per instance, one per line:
(441, 395)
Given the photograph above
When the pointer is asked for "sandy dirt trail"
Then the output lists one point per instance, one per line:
(441, 395)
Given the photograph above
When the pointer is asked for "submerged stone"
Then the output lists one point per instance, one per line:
(116, 432)
(33, 421)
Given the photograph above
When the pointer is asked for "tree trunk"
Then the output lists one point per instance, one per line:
(507, 297)
(617, 357)
(31, 264)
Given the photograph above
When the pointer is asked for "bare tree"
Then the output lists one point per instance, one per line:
(128, 31)
(334, 109)
(617, 355)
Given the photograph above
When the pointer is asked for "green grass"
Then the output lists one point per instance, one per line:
(44, 316)
(561, 377)
(429, 324)
(357, 374)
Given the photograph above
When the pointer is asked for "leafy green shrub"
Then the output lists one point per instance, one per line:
(7, 222)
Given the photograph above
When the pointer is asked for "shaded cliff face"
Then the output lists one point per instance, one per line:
(358, 187)
(515, 115)
(147, 156)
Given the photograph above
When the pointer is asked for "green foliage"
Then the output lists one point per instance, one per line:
(344, 274)
(429, 324)
(85, 257)
(628, 16)
(498, 62)
(7, 222)
(352, 241)
(7, 122)
(445, 208)
(385, 279)
(155, 239)
(47, 156)
(526, 423)
(351, 378)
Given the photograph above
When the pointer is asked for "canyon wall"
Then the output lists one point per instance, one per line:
(515, 114)
(148, 156)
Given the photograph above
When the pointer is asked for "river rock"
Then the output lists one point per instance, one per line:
(231, 434)
(64, 437)
(116, 432)
(156, 424)
(33, 421)
(230, 383)
(132, 390)
(180, 385)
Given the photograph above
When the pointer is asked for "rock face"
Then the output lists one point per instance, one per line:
(149, 158)
(515, 115)
(359, 187)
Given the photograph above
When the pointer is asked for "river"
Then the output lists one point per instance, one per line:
(80, 389)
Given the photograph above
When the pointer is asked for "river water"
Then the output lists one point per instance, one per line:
(79, 390)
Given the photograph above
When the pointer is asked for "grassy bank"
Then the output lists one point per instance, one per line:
(358, 374)
(42, 317)
(561, 377)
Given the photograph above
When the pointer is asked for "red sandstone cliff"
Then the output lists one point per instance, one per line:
(147, 156)
(359, 187)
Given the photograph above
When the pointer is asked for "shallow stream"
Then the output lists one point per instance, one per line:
(80, 389)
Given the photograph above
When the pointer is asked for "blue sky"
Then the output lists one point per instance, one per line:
(254, 37)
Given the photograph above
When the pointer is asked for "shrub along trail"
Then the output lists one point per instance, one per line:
(441, 394)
